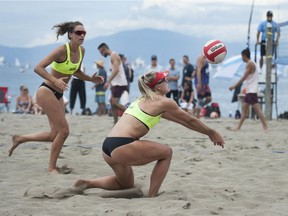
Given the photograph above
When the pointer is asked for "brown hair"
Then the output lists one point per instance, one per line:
(246, 52)
(62, 28)
(103, 45)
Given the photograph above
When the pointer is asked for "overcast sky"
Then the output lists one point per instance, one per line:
(29, 23)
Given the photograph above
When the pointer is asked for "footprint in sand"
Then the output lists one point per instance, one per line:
(64, 169)
(85, 152)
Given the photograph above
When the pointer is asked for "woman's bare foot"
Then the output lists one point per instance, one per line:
(80, 183)
(232, 129)
(15, 143)
(53, 171)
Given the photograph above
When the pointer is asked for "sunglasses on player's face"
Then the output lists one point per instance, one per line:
(163, 80)
(80, 33)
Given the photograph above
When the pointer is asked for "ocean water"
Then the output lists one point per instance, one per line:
(12, 77)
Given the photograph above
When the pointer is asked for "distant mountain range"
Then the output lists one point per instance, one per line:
(141, 43)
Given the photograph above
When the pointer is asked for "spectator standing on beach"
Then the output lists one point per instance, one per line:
(124, 146)
(77, 87)
(127, 69)
(201, 82)
(65, 61)
(188, 70)
(117, 80)
(100, 95)
(250, 76)
(24, 101)
(173, 78)
(262, 29)
(154, 66)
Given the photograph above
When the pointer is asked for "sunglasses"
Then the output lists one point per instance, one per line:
(80, 33)
(163, 80)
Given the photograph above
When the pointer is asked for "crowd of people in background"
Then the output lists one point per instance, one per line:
(181, 91)
(191, 96)
(121, 74)
(189, 85)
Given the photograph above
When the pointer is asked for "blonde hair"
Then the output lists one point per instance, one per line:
(143, 85)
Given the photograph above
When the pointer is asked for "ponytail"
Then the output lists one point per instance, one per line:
(143, 82)
(62, 28)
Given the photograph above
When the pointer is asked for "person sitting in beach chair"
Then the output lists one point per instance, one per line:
(24, 101)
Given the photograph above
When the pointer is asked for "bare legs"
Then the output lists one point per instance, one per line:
(101, 109)
(258, 111)
(115, 105)
(159, 173)
(18, 139)
(110, 182)
(261, 62)
(134, 154)
(59, 127)
(205, 101)
(244, 114)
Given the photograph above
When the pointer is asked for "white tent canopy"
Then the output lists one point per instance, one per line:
(235, 67)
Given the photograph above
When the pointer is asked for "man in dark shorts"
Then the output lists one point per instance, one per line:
(117, 80)
(188, 70)
(201, 82)
(251, 98)
(262, 28)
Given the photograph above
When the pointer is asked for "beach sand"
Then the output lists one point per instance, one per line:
(248, 177)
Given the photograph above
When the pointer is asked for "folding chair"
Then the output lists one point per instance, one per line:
(4, 98)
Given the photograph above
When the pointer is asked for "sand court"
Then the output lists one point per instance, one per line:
(247, 177)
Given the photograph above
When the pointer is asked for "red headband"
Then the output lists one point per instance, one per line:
(158, 77)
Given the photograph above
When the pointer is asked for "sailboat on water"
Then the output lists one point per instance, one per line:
(2, 60)
(19, 65)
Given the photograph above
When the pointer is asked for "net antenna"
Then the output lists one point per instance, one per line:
(249, 24)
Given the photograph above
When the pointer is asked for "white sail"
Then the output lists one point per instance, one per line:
(17, 62)
(2, 60)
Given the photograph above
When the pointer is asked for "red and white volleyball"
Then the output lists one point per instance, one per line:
(214, 51)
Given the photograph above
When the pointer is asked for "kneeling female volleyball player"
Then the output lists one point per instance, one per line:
(123, 147)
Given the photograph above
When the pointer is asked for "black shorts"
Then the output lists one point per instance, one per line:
(58, 95)
(111, 143)
(204, 92)
(263, 48)
(117, 91)
(251, 98)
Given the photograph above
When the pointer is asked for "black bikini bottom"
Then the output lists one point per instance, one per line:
(111, 143)
(57, 94)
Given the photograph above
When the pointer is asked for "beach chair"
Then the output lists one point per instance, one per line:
(4, 98)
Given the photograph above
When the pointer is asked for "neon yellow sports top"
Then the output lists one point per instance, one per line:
(148, 120)
(67, 67)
